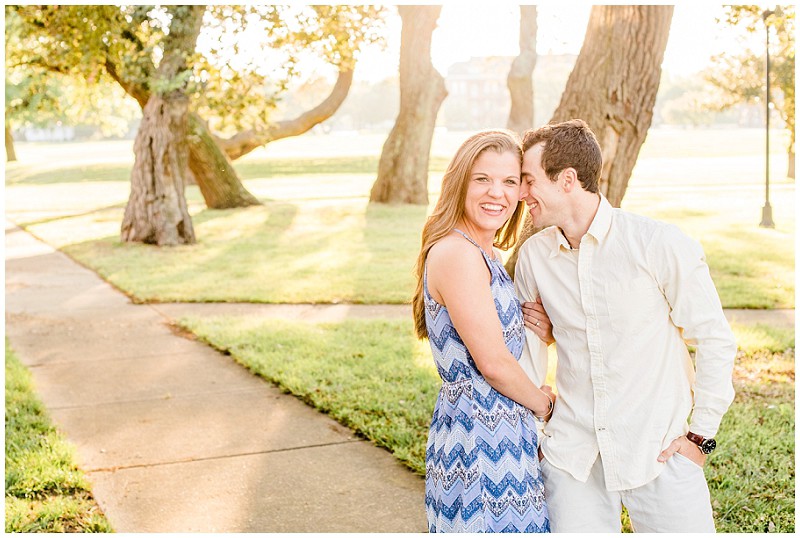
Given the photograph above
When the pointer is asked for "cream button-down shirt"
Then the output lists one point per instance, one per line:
(624, 306)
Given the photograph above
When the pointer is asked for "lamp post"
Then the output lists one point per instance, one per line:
(766, 212)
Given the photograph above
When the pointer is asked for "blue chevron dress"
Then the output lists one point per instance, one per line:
(481, 463)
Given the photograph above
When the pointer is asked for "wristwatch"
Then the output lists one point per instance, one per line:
(707, 446)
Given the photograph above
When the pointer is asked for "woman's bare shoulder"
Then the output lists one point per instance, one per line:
(451, 249)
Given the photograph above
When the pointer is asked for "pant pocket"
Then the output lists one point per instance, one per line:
(683, 460)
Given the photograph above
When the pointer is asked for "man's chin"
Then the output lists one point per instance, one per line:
(538, 223)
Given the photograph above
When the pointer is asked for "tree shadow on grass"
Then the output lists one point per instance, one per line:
(148, 273)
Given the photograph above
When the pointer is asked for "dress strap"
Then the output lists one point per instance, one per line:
(468, 238)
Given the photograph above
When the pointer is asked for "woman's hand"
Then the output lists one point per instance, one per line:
(546, 412)
(537, 320)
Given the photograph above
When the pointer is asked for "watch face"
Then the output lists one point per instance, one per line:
(708, 446)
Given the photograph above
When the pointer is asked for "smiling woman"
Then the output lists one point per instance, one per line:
(466, 306)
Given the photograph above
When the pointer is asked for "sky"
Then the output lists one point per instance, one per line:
(471, 29)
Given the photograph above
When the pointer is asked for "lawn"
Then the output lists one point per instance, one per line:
(374, 377)
(317, 240)
(45, 490)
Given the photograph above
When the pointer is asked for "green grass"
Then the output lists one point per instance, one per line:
(373, 376)
(759, 337)
(45, 490)
(20, 175)
(752, 473)
(279, 167)
(276, 253)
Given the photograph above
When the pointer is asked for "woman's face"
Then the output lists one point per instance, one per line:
(494, 190)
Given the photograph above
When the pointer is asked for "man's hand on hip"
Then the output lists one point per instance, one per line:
(686, 448)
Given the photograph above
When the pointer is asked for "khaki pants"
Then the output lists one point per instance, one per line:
(676, 501)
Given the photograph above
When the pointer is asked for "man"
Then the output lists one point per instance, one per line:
(625, 294)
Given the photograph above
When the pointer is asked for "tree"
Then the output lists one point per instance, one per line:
(741, 77)
(11, 154)
(520, 77)
(613, 88)
(156, 211)
(403, 166)
(233, 86)
(121, 43)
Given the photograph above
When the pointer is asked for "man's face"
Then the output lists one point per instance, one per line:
(545, 198)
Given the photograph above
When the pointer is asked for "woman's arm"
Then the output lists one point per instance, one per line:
(458, 275)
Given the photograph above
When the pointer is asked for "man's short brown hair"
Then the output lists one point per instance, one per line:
(569, 144)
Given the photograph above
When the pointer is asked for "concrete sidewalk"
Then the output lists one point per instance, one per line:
(176, 437)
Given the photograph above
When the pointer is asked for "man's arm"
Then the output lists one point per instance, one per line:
(534, 353)
(683, 275)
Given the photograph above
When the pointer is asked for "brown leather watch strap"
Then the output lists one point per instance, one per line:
(696, 439)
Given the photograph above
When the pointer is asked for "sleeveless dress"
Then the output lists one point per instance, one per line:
(481, 463)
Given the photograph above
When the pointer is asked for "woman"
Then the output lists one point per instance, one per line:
(482, 469)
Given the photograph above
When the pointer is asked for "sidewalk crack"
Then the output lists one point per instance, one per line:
(212, 458)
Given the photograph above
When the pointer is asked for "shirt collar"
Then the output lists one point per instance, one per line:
(597, 229)
(602, 220)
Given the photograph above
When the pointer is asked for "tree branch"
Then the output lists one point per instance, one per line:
(137, 91)
(244, 142)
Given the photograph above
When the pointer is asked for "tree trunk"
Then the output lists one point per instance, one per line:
(614, 83)
(156, 212)
(246, 141)
(520, 76)
(613, 88)
(213, 171)
(403, 166)
(790, 149)
(11, 154)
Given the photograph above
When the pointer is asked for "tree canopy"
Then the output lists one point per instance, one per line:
(38, 96)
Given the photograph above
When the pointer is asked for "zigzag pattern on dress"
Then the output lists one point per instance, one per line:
(482, 468)
(460, 464)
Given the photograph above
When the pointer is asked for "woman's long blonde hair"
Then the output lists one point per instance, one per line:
(450, 207)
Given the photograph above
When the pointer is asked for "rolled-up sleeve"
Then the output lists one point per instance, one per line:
(682, 273)
(534, 353)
